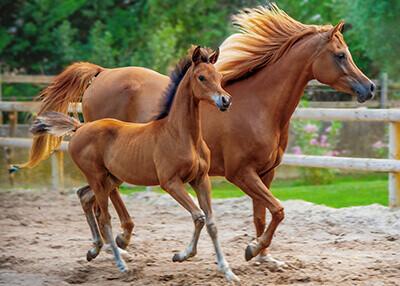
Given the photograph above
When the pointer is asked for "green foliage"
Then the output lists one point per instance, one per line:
(375, 26)
(44, 36)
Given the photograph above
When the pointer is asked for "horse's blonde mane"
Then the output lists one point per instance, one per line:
(265, 35)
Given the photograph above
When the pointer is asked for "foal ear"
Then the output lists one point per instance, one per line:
(196, 55)
(214, 57)
(337, 28)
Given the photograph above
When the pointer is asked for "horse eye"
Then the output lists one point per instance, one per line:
(341, 56)
(201, 78)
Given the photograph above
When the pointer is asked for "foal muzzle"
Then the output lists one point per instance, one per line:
(222, 101)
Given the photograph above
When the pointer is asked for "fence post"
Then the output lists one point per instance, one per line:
(384, 89)
(394, 153)
(1, 112)
(57, 169)
(10, 150)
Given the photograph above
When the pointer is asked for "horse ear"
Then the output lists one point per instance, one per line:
(214, 56)
(337, 28)
(196, 56)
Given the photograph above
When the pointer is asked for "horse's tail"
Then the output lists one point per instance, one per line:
(67, 88)
(54, 123)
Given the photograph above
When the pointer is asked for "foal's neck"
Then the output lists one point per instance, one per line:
(184, 117)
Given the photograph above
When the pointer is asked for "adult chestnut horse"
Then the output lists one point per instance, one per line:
(266, 68)
(168, 151)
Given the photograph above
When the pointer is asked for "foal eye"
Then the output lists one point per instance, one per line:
(201, 78)
(341, 56)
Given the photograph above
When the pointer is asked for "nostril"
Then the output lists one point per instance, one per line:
(372, 87)
(224, 101)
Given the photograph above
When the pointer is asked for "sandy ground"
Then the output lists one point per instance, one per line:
(44, 238)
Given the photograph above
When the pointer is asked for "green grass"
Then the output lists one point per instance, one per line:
(343, 192)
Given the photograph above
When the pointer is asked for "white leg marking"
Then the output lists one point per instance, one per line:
(107, 248)
(268, 258)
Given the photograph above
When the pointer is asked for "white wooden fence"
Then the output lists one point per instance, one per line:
(391, 165)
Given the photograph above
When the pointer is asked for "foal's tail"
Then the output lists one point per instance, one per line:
(67, 88)
(54, 123)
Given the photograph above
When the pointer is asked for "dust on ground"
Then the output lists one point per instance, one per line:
(44, 238)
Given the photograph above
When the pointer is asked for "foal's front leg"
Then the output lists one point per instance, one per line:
(176, 189)
(202, 187)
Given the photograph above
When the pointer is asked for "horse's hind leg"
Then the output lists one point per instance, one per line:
(87, 199)
(177, 191)
(202, 187)
(127, 225)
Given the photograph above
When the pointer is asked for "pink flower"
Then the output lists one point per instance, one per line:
(311, 128)
(328, 129)
(332, 153)
(314, 141)
(324, 138)
(297, 150)
(379, 144)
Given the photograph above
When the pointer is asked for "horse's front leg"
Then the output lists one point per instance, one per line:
(259, 212)
(177, 190)
(250, 183)
(202, 187)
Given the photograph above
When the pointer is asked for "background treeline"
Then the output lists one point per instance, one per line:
(44, 36)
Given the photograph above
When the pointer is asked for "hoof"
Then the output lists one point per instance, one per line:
(248, 254)
(176, 257)
(89, 256)
(123, 268)
(120, 242)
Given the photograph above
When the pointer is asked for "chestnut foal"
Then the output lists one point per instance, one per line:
(168, 151)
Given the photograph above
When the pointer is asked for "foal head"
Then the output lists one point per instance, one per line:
(334, 66)
(205, 80)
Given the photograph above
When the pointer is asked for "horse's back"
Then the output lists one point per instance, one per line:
(128, 94)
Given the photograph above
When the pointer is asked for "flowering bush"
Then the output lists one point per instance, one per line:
(381, 149)
(315, 139)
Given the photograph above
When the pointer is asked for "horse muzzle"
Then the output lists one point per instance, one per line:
(222, 101)
(364, 92)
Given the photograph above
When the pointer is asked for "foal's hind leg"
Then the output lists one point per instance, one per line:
(88, 202)
(101, 191)
(87, 199)
(127, 225)
(176, 189)
(202, 187)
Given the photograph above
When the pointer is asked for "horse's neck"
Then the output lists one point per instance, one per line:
(184, 117)
(279, 87)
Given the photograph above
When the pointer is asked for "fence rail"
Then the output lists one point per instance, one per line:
(391, 165)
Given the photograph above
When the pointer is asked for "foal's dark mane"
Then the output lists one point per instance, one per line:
(178, 73)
